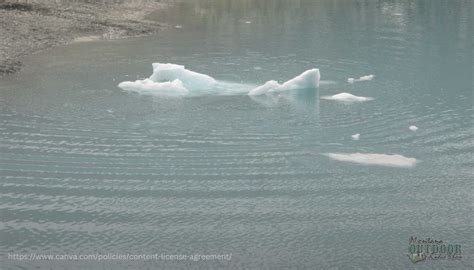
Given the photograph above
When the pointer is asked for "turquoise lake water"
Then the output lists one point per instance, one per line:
(87, 168)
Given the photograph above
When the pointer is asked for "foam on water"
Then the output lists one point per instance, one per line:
(176, 80)
(346, 97)
(375, 159)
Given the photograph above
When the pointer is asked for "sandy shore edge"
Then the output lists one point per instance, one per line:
(27, 27)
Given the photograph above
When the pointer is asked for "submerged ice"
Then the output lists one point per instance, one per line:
(346, 97)
(176, 80)
(361, 79)
(375, 159)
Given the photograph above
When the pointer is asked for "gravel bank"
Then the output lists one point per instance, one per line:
(30, 26)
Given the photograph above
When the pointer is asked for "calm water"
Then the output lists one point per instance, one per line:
(88, 168)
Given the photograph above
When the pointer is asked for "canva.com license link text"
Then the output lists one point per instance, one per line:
(123, 257)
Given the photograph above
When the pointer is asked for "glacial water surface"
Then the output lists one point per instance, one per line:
(277, 181)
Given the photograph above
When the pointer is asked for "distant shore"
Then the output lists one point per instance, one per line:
(27, 27)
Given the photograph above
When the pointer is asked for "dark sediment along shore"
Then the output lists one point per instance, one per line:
(30, 26)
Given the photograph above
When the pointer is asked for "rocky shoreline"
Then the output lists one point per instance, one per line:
(27, 27)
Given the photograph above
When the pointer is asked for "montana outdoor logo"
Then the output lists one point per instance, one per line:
(420, 250)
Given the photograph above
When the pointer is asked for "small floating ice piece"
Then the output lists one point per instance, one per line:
(328, 82)
(306, 80)
(363, 78)
(248, 22)
(346, 97)
(375, 159)
(178, 26)
(355, 137)
(367, 78)
(413, 128)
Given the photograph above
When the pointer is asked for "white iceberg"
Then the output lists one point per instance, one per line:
(191, 80)
(176, 80)
(150, 87)
(363, 78)
(306, 80)
(355, 137)
(375, 159)
(346, 97)
(170, 79)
